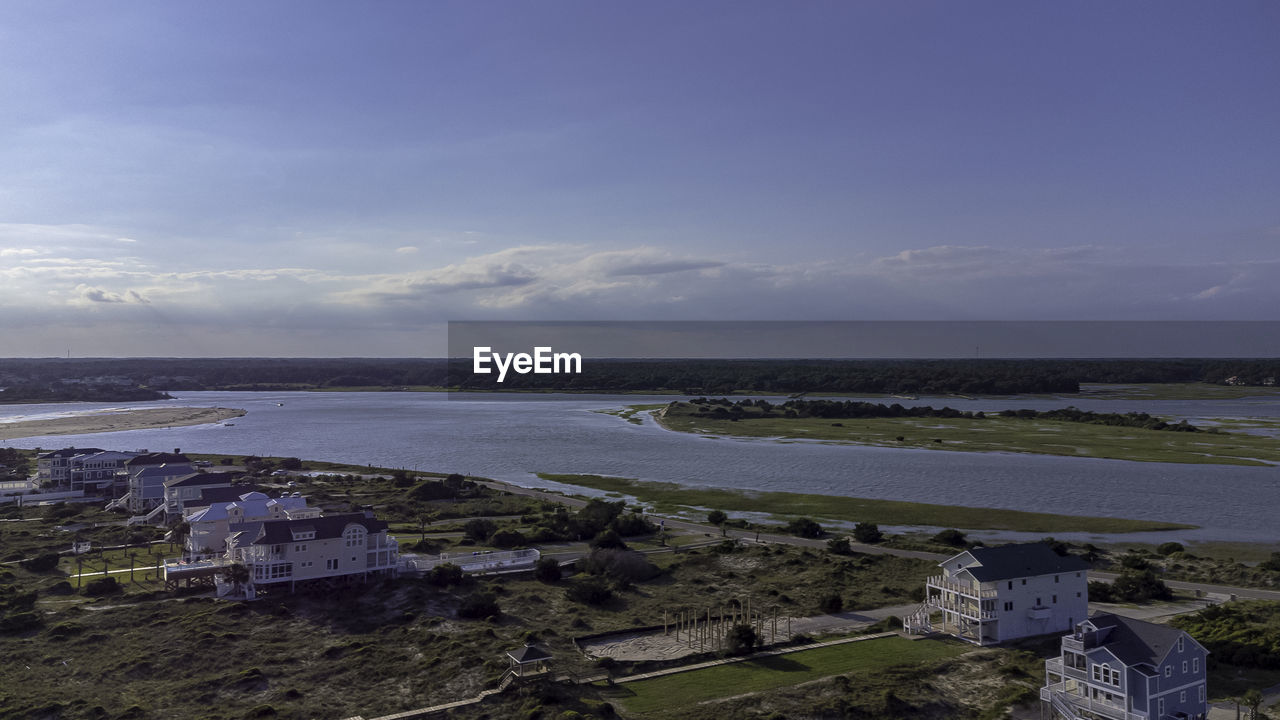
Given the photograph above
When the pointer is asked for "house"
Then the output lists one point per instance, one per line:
(179, 491)
(325, 551)
(210, 525)
(146, 475)
(96, 472)
(1115, 667)
(54, 468)
(989, 595)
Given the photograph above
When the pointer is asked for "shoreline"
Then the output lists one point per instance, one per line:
(109, 421)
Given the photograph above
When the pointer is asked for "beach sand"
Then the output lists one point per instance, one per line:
(142, 419)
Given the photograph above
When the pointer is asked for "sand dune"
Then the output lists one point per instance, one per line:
(142, 419)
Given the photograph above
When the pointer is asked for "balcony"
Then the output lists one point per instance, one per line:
(965, 609)
(967, 589)
(1039, 613)
(1065, 693)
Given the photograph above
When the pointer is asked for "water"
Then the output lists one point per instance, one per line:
(511, 437)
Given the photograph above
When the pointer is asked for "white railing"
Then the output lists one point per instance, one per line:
(178, 566)
(476, 561)
(1060, 693)
(941, 582)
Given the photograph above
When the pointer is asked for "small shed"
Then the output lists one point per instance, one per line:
(528, 660)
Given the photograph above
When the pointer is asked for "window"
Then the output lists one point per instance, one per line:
(1055, 599)
(1024, 581)
(300, 548)
(1160, 707)
(1195, 664)
(1184, 667)
(1010, 584)
(1008, 606)
(1202, 693)
(331, 564)
(1168, 671)
(1055, 578)
(1182, 696)
(1179, 644)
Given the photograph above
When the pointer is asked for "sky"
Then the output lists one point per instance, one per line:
(344, 178)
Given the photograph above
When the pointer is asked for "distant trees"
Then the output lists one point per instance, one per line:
(1131, 586)
(951, 537)
(717, 517)
(804, 527)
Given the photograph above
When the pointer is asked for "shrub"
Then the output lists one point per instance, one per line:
(608, 539)
(951, 537)
(507, 539)
(44, 562)
(839, 546)
(867, 533)
(832, 603)
(804, 527)
(547, 570)
(102, 586)
(623, 565)
(590, 591)
(741, 640)
(477, 606)
(1170, 548)
(717, 517)
(632, 524)
(479, 529)
(445, 575)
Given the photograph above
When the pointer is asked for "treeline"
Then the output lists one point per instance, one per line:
(695, 377)
(852, 409)
(41, 392)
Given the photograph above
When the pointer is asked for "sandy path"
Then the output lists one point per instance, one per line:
(113, 421)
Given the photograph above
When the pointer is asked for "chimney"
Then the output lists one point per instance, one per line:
(177, 451)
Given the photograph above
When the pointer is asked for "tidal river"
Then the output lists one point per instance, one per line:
(511, 437)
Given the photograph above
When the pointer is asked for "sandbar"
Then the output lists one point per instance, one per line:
(117, 420)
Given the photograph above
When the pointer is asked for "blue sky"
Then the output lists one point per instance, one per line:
(312, 178)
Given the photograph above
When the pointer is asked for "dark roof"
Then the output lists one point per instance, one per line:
(278, 532)
(1023, 560)
(68, 452)
(1135, 641)
(528, 654)
(214, 478)
(156, 459)
(209, 496)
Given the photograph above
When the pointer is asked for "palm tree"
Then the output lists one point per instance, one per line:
(133, 557)
(178, 533)
(1253, 700)
(236, 574)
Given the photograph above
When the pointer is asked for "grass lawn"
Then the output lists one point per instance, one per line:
(671, 497)
(994, 434)
(869, 656)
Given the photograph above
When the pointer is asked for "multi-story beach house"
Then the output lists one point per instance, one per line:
(144, 477)
(1117, 668)
(184, 489)
(210, 525)
(326, 550)
(989, 595)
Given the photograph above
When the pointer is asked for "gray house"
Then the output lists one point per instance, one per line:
(1125, 669)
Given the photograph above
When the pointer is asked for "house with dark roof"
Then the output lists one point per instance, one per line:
(147, 475)
(324, 550)
(1116, 667)
(180, 490)
(988, 595)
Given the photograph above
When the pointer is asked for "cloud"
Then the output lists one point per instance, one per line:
(15, 252)
(663, 268)
(407, 250)
(92, 294)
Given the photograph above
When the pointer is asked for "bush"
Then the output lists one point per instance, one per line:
(102, 586)
(547, 570)
(625, 566)
(867, 533)
(832, 603)
(717, 517)
(741, 640)
(839, 546)
(804, 527)
(1170, 548)
(607, 540)
(44, 562)
(507, 539)
(1131, 586)
(477, 606)
(479, 529)
(590, 591)
(632, 524)
(445, 575)
(953, 538)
